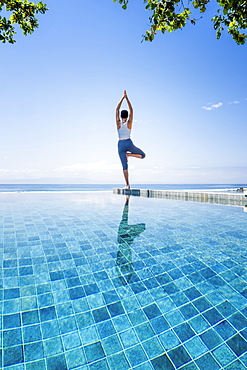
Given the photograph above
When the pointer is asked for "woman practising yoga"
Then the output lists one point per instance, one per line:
(126, 148)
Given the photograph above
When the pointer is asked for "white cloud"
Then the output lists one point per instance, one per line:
(234, 102)
(211, 106)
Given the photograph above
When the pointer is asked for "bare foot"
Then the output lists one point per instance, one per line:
(126, 187)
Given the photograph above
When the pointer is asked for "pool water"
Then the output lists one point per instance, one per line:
(98, 281)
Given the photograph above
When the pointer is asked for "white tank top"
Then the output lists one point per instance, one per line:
(124, 131)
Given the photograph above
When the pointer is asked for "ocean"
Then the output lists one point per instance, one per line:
(109, 187)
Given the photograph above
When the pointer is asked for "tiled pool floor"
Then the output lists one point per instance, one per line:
(89, 282)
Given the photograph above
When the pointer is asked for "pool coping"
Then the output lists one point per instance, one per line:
(230, 199)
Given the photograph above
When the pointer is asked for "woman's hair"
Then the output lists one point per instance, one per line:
(124, 114)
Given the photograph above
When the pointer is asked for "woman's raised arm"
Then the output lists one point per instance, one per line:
(130, 120)
(118, 121)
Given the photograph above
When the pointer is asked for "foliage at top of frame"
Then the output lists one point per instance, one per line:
(22, 13)
(171, 15)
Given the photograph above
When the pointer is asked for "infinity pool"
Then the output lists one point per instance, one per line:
(97, 281)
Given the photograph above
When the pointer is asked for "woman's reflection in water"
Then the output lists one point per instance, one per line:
(126, 235)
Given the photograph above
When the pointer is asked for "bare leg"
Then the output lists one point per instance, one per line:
(134, 155)
(126, 177)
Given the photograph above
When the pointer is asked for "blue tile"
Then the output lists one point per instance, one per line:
(175, 274)
(137, 317)
(45, 300)
(111, 345)
(174, 317)
(128, 338)
(75, 359)
(76, 293)
(151, 283)
(144, 331)
(238, 344)
(67, 324)
(179, 356)
(162, 362)
(136, 355)
(11, 321)
(50, 329)
(179, 298)
(91, 289)
(57, 362)
(153, 348)
(80, 305)
(152, 311)
(106, 329)
(13, 356)
(188, 311)
(225, 330)
(170, 288)
(56, 275)
(118, 361)
(207, 362)
(36, 365)
(199, 324)
(89, 335)
(100, 314)
(99, 365)
(84, 319)
(23, 271)
(224, 355)
(115, 309)
(213, 316)
(195, 347)
(211, 338)
(94, 351)
(226, 308)
(217, 282)
(11, 293)
(207, 273)
(53, 346)
(163, 278)
(195, 277)
(32, 333)
(47, 313)
(202, 304)
(169, 340)
(121, 323)
(238, 321)
(12, 337)
(110, 296)
(159, 324)
(165, 305)
(33, 351)
(64, 309)
(184, 332)
(30, 317)
(138, 287)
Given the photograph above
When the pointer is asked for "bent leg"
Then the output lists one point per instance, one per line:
(135, 152)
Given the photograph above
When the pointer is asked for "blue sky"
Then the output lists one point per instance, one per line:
(60, 87)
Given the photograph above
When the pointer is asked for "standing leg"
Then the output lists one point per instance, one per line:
(126, 178)
(123, 157)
